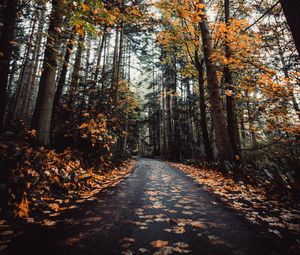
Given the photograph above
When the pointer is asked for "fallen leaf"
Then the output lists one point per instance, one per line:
(159, 244)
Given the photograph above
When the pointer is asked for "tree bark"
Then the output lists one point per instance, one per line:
(6, 48)
(285, 70)
(76, 70)
(33, 68)
(291, 9)
(232, 121)
(221, 135)
(36, 64)
(99, 53)
(23, 85)
(63, 74)
(44, 106)
(206, 142)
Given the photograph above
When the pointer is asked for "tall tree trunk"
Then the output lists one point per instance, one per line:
(43, 108)
(99, 53)
(176, 124)
(103, 71)
(23, 85)
(115, 61)
(36, 64)
(76, 70)
(168, 90)
(30, 81)
(87, 76)
(63, 74)
(163, 120)
(291, 9)
(118, 64)
(285, 70)
(232, 121)
(205, 136)
(221, 135)
(6, 47)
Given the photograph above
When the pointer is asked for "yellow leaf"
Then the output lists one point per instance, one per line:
(32, 132)
(228, 92)
(84, 125)
(84, 7)
(55, 207)
(159, 244)
(23, 207)
(201, 5)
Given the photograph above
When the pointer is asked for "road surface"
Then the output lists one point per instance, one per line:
(156, 210)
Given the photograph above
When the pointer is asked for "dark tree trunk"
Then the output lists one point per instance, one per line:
(6, 47)
(115, 61)
(36, 64)
(44, 105)
(232, 122)
(63, 74)
(206, 142)
(222, 138)
(100, 51)
(23, 84)
(285, 70)
(291, 9)
(30, 81)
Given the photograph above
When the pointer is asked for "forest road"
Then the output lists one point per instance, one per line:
(156, 210)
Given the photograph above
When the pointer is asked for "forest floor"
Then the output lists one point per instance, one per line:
(160, 210)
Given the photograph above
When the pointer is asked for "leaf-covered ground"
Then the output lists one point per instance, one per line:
(279, 214)
(156, 210)
(43, 204)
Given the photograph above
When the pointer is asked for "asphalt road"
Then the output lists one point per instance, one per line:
(156, 210)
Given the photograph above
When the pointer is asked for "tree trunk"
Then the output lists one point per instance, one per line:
(222, 139)
(285, 70)
(115, 61)
(76, 70)
(232, 122)
(99, 53)
(63, 74)
(168, 118)
(6, 47)
(23, 84)
(36, 64)
(206, 142)
(33, 68)
(43, 109)
(291, 9)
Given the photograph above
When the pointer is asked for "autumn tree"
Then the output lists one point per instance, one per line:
(44, 105)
